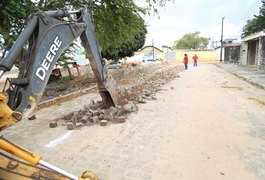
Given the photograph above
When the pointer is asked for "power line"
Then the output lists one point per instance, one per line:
(250, 11)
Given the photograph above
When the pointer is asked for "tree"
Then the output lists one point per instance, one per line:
(255, 24)
(12, 19)
(131, 45)
(116, 21)
(191, 41)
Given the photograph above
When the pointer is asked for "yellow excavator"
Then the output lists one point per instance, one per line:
(43, 40)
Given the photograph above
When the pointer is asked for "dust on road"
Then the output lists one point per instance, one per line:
(197, 129)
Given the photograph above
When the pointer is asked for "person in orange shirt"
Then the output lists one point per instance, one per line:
(186, 61)
(195, 59)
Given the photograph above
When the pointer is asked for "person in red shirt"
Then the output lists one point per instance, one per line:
(186, 61)
(195, 59)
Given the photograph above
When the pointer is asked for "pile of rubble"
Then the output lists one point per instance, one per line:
(94, 114)
(142, 90)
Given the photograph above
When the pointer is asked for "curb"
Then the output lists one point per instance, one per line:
(241, 77)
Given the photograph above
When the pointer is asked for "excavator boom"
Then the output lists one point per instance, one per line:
(44, 39)
(47, 37)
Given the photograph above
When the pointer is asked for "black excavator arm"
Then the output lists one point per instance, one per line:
(45, 37)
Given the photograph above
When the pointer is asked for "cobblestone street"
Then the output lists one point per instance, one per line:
(208, 124)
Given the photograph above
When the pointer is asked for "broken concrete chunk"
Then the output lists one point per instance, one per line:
(53, 124)
(70, 125)
(103, 122)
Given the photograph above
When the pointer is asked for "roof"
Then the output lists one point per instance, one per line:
(254, 36)
(151, 47)
(231, 44)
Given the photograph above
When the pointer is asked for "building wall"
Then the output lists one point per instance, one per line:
(243, 53)
(232, 54)
(261, 53)
(204, 56)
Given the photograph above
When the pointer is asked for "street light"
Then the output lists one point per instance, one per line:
(221, 54)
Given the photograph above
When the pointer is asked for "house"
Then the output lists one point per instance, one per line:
(151, 52)
(232, 52)
(252, 51)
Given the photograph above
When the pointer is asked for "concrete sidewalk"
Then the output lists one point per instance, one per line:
(250, 74)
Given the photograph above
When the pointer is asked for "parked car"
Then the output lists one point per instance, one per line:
(115, 65)
(151, 61)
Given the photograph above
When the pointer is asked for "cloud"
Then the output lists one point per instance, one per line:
(182, 17)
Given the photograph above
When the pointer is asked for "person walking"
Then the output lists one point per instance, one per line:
(186, 61)
(195, 59)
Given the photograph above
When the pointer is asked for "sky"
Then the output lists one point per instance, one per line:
(184, 16)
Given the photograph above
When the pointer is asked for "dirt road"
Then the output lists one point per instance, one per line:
(207, 124)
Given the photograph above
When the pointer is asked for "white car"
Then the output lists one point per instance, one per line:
(151, 61)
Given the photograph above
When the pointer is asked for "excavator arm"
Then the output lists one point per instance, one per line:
(45, 38)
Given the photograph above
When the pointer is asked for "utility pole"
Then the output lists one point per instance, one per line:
(221, 54)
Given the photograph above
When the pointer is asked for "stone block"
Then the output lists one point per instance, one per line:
(103, 122)
(101, 116)
(70, 125)
(92, 102)
(134, 108)
(113, 110)
(108, 117)
(89, 114)
(85, 119)
(119, 112)
(95, 119)
(128, 107)
(149, 98)
(95, 113)
(53, 124)
(120, 120)
(86, 106)
(141, 100)
(68, 116)
(78, 124)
